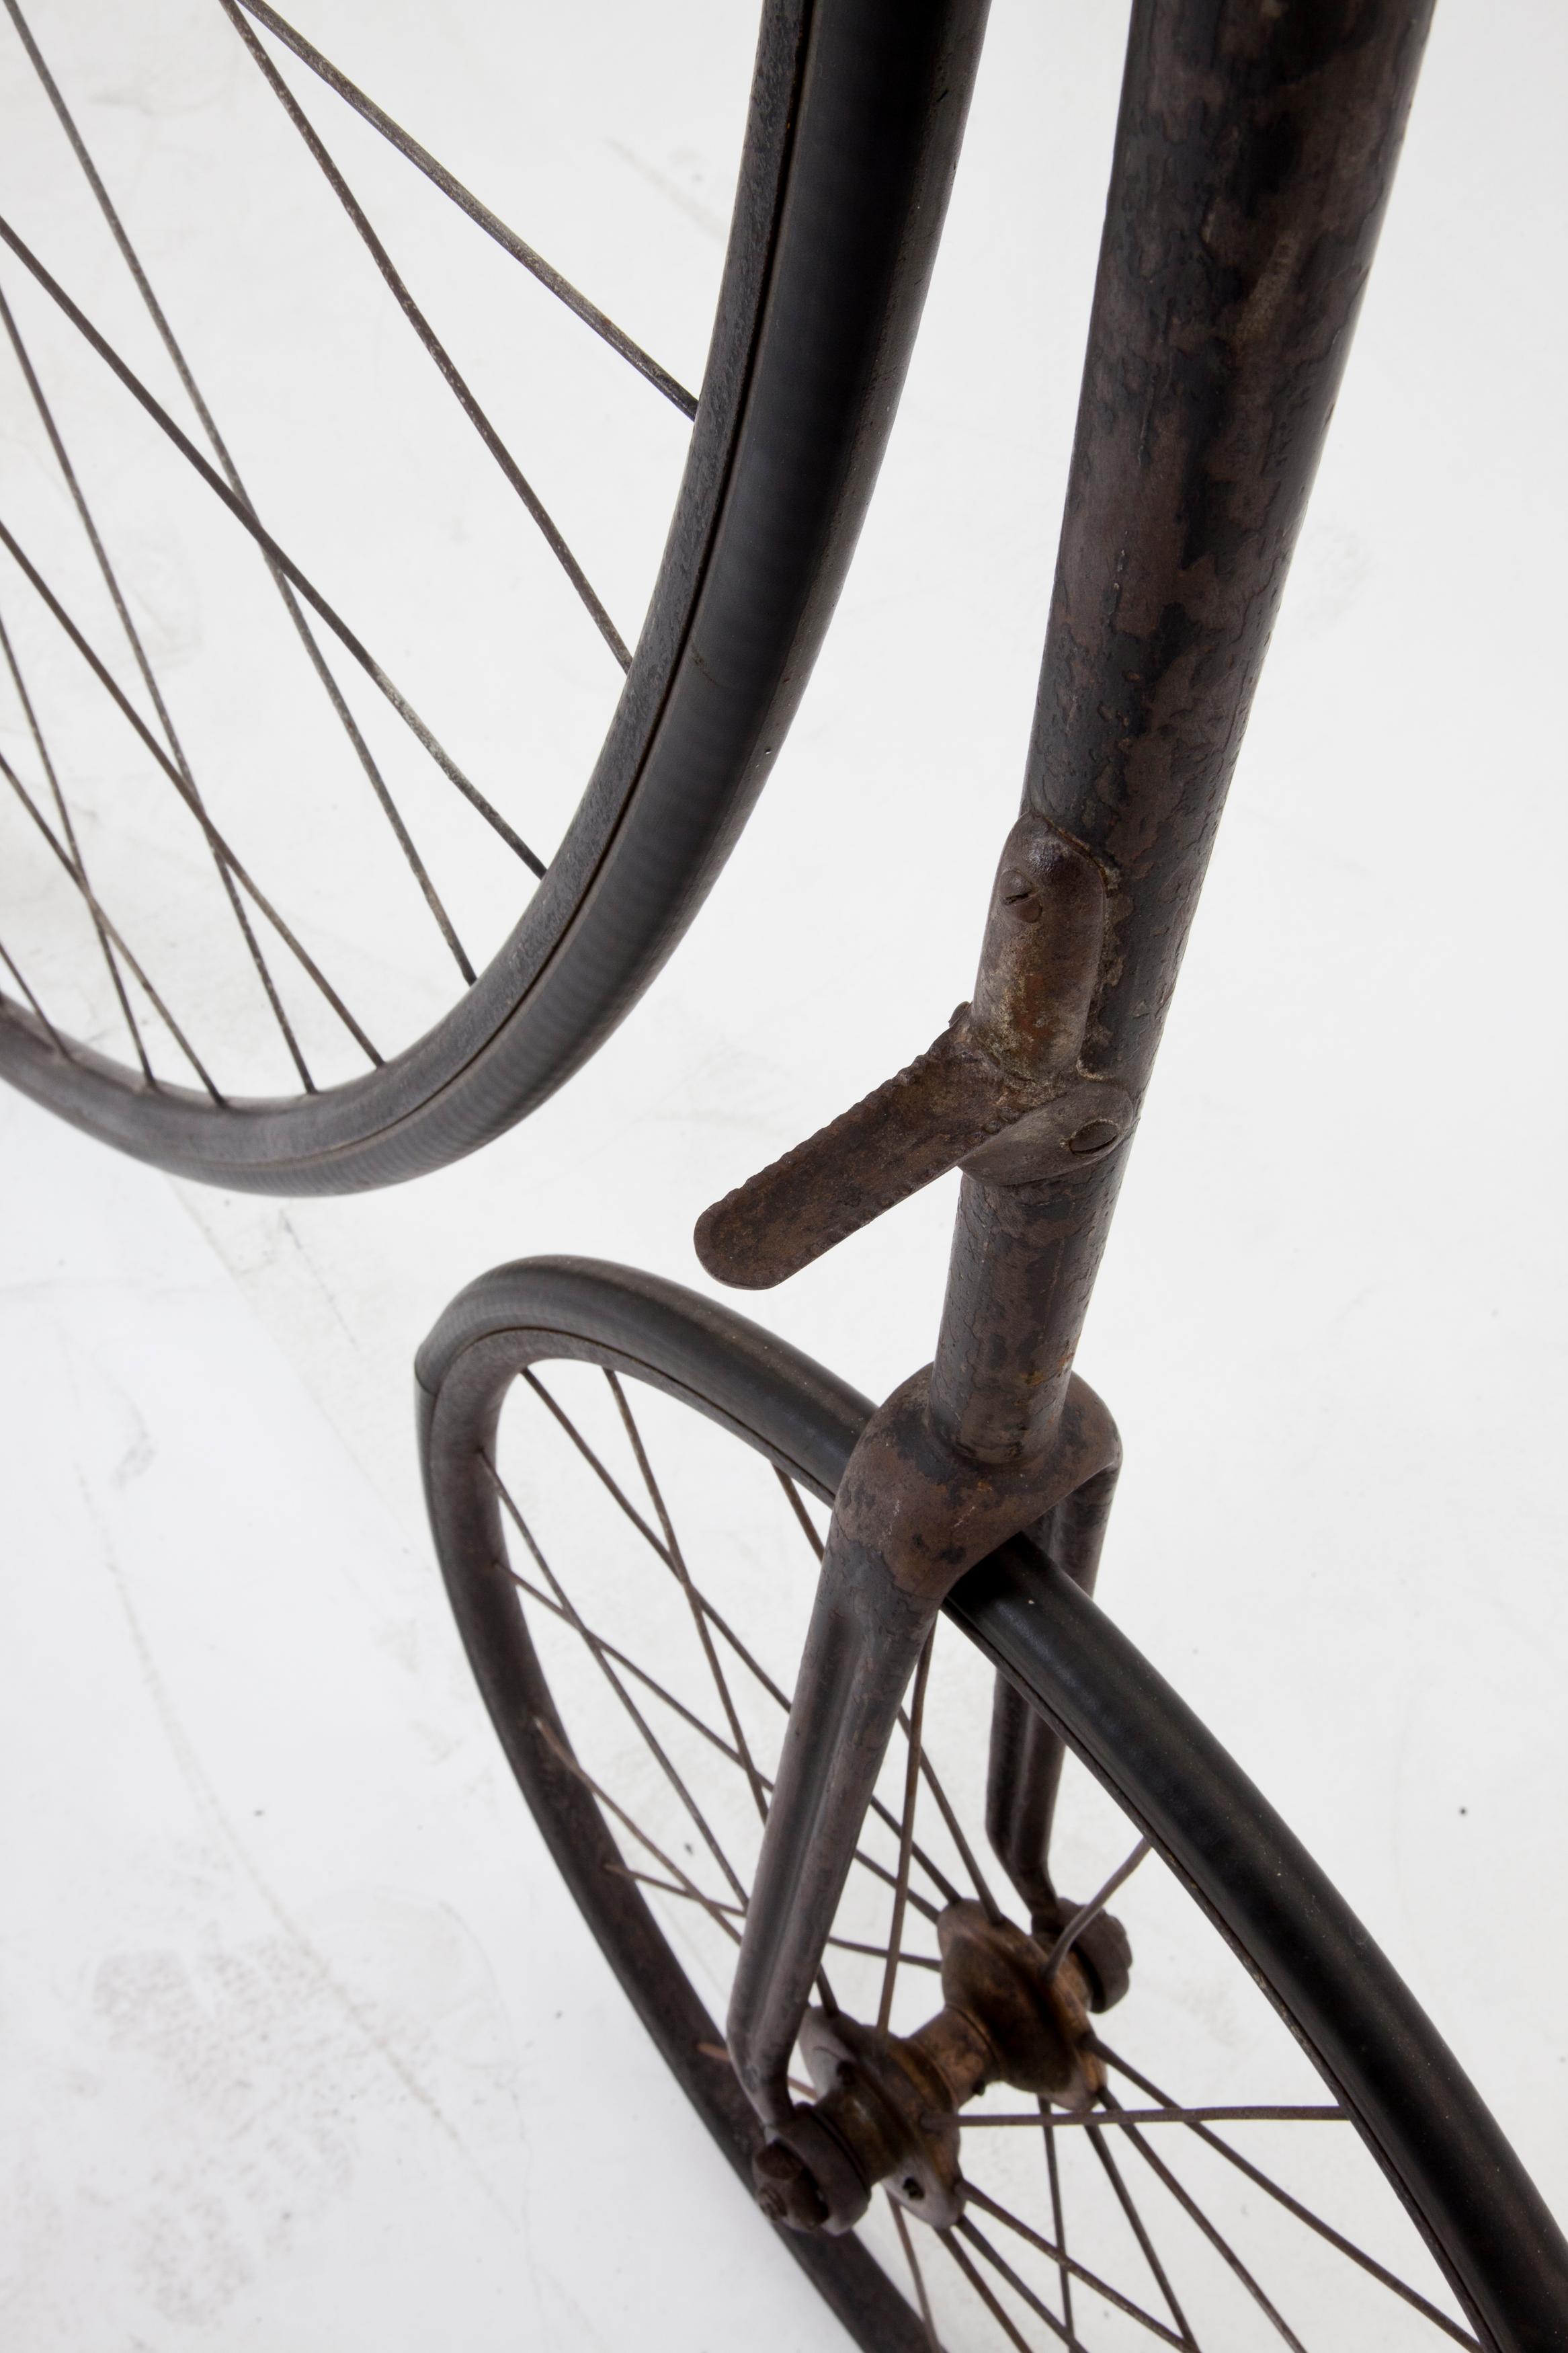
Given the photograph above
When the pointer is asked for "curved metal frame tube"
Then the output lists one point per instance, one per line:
(1254, 153)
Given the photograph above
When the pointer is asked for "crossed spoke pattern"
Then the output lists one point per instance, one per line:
(48, 802)
(1142, 2219)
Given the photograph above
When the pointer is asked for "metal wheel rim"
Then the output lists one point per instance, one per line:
(805, 1422)
(782, 463)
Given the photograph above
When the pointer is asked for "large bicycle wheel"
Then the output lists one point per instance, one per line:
(1284, 2152)
(856, 116)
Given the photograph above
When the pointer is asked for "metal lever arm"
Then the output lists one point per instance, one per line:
(1001, 1089)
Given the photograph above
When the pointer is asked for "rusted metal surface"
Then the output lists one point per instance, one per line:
(1021, 1268)
(888, 2105)
(912, 1516)
(1254, 153)
(1001, 1089)
(911, 1130)
(1284, 1921)
(1024, 1765)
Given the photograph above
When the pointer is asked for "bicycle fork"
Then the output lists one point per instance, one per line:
(1255, 152)
(998, 1436)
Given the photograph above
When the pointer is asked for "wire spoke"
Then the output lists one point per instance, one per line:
(907, 1959)
(241, 509)
(1059, 2220)
(139, 652)
(1190, 2208)
(916, 1902)
(668, 1770)
(668, 1887)
(380, 787)
(73, 848)
(906, 1836)
(840, 1944)
(719, 1624)
(1135, 2123)
(678, 1561)
(982, 2289)
(1090, 1911)
(456, 383)
(798, 1508)
(1059, 2119)
(983, 2245)
(1130, 2121)
(278, 566)
(239, 502)
(20, 978)
(595, 1464)
(989, 1904)
(938, 1879)
(546, 1600)
(1262, 2180)
(906, 2240)
(290, 603)
(449, 186)
(106, 929)
(1129, 2206)
(193, 803)
(596, 1650)
(564, 1757)
(1069, 2267)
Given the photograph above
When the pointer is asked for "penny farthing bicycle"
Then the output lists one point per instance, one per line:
(1024, 2016)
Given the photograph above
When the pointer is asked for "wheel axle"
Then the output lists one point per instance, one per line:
(887, 2110)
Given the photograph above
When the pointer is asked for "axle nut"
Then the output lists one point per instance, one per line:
(1106, 1951)
(1103, 1949)
(786, 2188)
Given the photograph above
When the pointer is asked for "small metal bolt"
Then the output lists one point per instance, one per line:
(786, 2188)
(1093, 1136)
(1019, 896)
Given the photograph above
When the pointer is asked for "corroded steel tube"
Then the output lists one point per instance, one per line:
(1254, 153)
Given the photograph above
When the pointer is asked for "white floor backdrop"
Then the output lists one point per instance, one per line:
(300, 2044)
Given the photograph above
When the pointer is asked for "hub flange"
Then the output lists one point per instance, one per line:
(887, 2109)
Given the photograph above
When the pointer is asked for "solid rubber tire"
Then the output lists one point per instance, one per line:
(857, 115)
(1416, 2110)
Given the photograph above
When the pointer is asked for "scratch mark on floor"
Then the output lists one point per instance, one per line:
(212, 1806)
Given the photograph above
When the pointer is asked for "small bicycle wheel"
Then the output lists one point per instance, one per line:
(1284, 2153)
(182, 971)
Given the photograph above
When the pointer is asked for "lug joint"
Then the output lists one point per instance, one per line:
(1002, 1094)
